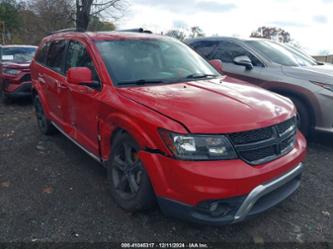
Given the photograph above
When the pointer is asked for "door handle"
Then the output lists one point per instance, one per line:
(62, 86)
(41, 78)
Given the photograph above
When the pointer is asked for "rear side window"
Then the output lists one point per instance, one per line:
(78, 56)
(227, 51)
(56, 56)
(41, 55)
(205, 48)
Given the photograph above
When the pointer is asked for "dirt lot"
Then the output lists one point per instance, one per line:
(52, 191)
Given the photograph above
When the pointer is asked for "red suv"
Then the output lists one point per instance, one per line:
(15, 79)
(167, 126)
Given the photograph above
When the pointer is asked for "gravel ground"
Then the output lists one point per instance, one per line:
(50, 190)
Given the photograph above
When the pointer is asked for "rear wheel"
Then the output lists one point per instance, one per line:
(304, 121)
(129, 183)
(44, 124)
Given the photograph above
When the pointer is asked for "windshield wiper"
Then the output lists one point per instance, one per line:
(140, 82)
(200, 76)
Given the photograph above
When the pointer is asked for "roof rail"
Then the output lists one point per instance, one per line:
(137, 30)
(66, 30)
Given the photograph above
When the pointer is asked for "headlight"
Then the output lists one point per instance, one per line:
(198, 147)
(11, 71)
(324, 85)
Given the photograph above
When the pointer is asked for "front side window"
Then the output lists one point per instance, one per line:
(78, 56)
(205, 48)
(56, 55)
(18, 54)
(153, 61)
(280, 54)
(227, 51)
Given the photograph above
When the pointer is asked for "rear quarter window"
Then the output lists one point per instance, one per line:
(41, 54)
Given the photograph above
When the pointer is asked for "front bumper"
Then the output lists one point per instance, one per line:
(17, 85)
(188, 185)
(21, 90)
(260, 199)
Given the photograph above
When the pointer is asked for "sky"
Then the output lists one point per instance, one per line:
(310, 22)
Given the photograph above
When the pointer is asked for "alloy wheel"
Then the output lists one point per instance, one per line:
(126, 171)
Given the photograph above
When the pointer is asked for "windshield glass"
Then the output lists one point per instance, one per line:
(280, 54)
(18, 54)
(300, 52)
(153, 61)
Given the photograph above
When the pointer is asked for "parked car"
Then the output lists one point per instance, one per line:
(15, 78)
(167, 126)
(281, 69)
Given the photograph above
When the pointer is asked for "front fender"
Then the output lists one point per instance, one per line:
(108, 126)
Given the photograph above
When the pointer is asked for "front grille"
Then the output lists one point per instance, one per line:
(255, 155)
(25, 78)
(252, 136)
(264, 145)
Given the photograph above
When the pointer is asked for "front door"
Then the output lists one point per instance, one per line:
(83, 104)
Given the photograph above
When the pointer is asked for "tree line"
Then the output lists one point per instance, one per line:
(27, 22)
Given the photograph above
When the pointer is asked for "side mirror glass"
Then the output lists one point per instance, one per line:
(244, 60)
(217, 64)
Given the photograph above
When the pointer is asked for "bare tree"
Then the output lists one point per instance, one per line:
(196, 31)
(178, 34)
(272, 33)
(53, 15)
(85, 9)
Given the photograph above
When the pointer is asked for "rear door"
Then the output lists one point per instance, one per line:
(53, 78)
(226, 51)
(83, 104)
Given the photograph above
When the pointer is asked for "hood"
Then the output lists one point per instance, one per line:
(319, 73)
(214, 106)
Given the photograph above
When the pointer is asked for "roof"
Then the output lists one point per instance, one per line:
(224, 38)
(111, 35)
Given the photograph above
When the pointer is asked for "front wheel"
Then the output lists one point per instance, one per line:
(129, 183)
(304, 122)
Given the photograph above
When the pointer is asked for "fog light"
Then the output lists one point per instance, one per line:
(219, 209)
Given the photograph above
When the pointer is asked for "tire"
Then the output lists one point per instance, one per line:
(45, 126)
(304, 122)
(129, 183)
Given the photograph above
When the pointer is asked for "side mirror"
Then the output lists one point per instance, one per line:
(217, 64)
(244, 60)
(79, 76)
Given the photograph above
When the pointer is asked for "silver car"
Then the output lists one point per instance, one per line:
(281, 69)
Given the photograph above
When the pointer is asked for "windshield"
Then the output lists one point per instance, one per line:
(301, 53)
(18, 54)
(153, 61)
(280, 54)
